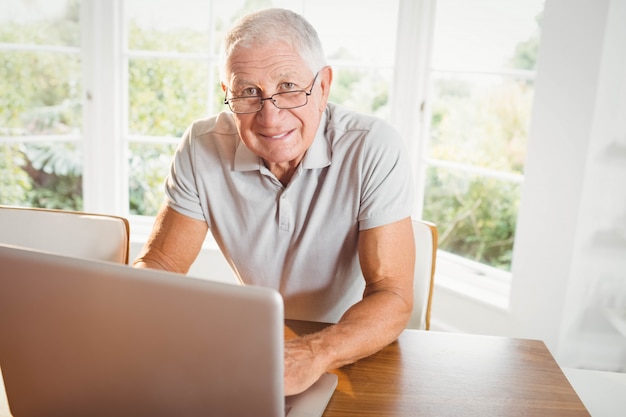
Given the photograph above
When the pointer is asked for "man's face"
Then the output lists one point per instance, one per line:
(279, 136)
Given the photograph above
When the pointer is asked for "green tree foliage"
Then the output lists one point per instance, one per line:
(475, 215)
(165, 96)
(55, 170)
(148, 164)
(40, 96)
(481, 123)
(525, 56)
(14, 182)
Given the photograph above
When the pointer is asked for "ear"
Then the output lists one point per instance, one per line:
(326, 79)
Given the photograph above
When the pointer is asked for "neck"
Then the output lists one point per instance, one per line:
(283, 171)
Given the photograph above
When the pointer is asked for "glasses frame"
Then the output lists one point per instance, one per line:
(262, 100)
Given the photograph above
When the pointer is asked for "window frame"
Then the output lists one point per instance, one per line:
(410, 94)
(105, 174)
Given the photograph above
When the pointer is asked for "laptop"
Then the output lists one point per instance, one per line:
(89, 338)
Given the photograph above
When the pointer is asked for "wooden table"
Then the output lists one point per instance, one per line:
(445, 374)
(429, 373)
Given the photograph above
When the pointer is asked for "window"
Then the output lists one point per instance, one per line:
(481, 91)
(171, 79)
(40, 104)
(96, 95)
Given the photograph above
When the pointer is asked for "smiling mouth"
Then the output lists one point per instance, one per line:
(283, 135)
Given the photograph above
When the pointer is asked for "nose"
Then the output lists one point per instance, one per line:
(270, 98)
(268, 113)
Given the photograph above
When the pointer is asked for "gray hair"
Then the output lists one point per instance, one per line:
(271, 25)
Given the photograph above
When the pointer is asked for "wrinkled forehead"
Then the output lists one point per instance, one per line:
(243, 57)
(273, 61)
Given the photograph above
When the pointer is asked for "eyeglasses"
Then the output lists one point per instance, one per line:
(286, 100)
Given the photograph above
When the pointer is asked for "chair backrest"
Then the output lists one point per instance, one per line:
(70, 233)
(425, 234)
(76, 234)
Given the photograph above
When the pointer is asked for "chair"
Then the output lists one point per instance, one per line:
(84, 235)
(77, 234)
(425, 234)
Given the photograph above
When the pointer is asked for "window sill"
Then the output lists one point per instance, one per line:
(478, 282)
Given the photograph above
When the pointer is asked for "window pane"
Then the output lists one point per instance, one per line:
(481, 120)
(476, 216)
(14, 181)
(481, 92)
(362, 90)
(483, 35)
(149, 165)
(41, 22)
(363, 33)
(181, 25)
(41, 174)
(166, 95)
(40, 93)
(40, 104)
(362, 58)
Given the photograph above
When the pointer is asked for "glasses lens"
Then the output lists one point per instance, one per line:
(290, 100)
(245, 104)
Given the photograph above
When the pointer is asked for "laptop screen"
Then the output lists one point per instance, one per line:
(100, 339)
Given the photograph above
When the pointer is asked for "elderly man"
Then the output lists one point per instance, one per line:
(301, 195)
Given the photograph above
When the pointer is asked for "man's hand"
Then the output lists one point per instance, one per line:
(303, 365)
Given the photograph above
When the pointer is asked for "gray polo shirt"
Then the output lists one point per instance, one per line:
(300, 239)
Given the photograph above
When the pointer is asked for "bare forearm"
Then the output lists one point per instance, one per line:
(174, 242)
(366, 328)
(149, 259)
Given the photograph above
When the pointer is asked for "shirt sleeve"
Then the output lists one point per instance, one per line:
(181, 189)
(387, 193)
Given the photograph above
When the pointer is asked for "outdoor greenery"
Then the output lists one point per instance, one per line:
(482, 121)
(41, 97)
(474, 122)
(475, 214)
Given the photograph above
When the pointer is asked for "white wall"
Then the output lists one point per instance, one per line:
(598, 272)
(210, 264)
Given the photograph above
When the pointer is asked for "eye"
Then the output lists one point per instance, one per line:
(288, 86)
(249, 92)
